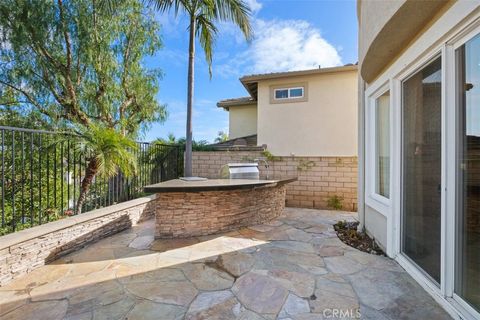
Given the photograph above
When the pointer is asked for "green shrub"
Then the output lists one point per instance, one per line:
(269, 156)
(335, 202)
(305, 165)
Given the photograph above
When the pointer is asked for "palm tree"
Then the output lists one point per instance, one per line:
(203, 14)
(107, 153)
(222, 137)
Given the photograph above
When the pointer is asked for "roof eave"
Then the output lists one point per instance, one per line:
(267, 76)
(227, 104)
(250, 82)
(252, 88)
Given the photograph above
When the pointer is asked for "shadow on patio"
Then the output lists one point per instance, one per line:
(291, 268)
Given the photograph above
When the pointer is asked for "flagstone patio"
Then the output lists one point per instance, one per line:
(291, 268)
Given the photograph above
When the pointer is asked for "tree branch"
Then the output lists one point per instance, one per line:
(68, 47)
(29, 97)
(11, 103)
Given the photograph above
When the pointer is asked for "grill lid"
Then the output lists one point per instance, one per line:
(243, 171)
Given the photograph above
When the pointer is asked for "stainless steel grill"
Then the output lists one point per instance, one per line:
(243, 171)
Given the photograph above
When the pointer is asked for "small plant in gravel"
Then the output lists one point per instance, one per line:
(348, 233)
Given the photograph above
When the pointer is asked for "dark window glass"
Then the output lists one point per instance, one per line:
(281, 94)
(296, 93)
(382, 149)
(422, 138)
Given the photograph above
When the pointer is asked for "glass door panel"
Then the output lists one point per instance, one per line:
(382, 150)
(422, 138)
(467, 272)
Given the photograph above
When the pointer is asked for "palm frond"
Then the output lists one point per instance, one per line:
(112, 151)
(206, 32)
(166, 5)
(236, 11)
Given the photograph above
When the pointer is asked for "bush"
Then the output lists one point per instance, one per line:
(335, 202)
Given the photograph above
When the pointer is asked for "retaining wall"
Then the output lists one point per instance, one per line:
(26, 250)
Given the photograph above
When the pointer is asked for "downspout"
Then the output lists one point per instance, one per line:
(361, 153)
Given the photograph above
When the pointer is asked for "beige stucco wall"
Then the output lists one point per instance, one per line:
(387, 28)
(325, 125)
(376, 226)
(372, 17)
(242, 121)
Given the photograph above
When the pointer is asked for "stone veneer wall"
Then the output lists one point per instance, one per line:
(26, 250)
(188, 214)
(319, 178)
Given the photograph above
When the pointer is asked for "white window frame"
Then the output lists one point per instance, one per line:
(373, 199)
(288, 86)
(451, 46)
(289, 97)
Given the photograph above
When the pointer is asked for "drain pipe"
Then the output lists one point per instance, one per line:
(361, 153)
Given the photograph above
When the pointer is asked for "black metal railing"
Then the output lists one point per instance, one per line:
(41, 175)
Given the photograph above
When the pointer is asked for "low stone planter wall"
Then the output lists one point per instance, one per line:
(189, 214)
(319, 178)
(26, 250)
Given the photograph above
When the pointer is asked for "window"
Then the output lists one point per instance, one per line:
(467, 283)
(296, 92)
(422, 168)
(382, 145)
(377, 150)
(289, 93)
(281, 94)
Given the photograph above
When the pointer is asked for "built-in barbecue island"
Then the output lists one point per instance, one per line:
(201, 207)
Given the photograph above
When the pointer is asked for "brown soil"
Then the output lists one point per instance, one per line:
(348, 233)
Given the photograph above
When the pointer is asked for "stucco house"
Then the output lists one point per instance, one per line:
(301, 113)
(419, 142)
(307, 122)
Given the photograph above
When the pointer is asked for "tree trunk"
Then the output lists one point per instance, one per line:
(90, 172)
(191, 71)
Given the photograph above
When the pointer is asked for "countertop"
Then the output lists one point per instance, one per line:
(177, 185)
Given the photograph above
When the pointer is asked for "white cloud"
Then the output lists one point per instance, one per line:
(283, 45)
(290, 45)
(254, 5)
(171, 24)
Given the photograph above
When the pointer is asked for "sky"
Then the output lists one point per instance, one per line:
(289, 35)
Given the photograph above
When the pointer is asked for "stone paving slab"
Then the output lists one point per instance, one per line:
(292, 268)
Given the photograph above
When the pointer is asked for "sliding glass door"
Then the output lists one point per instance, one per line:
(423, 197)
(422, 139)
(467, 271)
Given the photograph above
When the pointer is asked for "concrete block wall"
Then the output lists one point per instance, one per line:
(319, 178)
